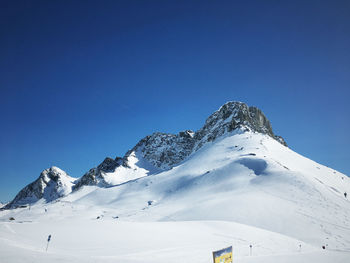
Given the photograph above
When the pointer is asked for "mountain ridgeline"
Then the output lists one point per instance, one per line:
(152, 154)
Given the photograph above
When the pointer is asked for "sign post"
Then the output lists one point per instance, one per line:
(48, 241)
(223, 256)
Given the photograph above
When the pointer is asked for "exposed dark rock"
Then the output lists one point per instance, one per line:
(95, 176)
(109, 164)
(51, 184)
(232, 116)
(90, 178)
(164, 150)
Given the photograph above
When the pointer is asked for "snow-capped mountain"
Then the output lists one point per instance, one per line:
(233, 182)
(153, 154)
(161, 151)
(51, 184)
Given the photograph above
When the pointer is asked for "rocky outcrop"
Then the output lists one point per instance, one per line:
(234, 116)
(51, 184)
(164, 150)
(95, 176)
(109, 164)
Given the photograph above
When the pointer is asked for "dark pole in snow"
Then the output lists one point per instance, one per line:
(48, 241)
(251, 248)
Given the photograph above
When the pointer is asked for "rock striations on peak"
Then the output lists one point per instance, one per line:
(152, 154)
(52, 183)
(234, 116)
(95, 176)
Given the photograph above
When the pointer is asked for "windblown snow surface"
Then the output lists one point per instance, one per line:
(240, 190)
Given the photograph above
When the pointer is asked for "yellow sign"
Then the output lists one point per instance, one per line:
(223, 255)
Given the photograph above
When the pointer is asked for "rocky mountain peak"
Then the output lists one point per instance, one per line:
(51, 184)
(162, 151)
(53, 173)
(154, 153)
(110, 164)
(96, 176)
(232, 116)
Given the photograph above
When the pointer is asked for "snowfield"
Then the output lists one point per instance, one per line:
(242, 189)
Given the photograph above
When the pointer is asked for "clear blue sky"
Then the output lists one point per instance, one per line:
(82, 80)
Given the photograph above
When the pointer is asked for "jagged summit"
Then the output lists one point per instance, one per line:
(232, 116)
(164, 151)
(152, 154)
(51, 184)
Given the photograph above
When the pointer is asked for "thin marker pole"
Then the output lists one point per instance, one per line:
(48, 241)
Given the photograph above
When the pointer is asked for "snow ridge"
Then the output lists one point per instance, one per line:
(152, 154)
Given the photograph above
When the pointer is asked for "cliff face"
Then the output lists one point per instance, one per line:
(234, 116)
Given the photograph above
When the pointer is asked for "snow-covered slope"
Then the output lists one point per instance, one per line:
(244, 188)
(236, 187)
(248, 178)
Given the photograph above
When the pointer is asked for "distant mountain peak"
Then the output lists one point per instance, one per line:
(51, 184)
(234, 115)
